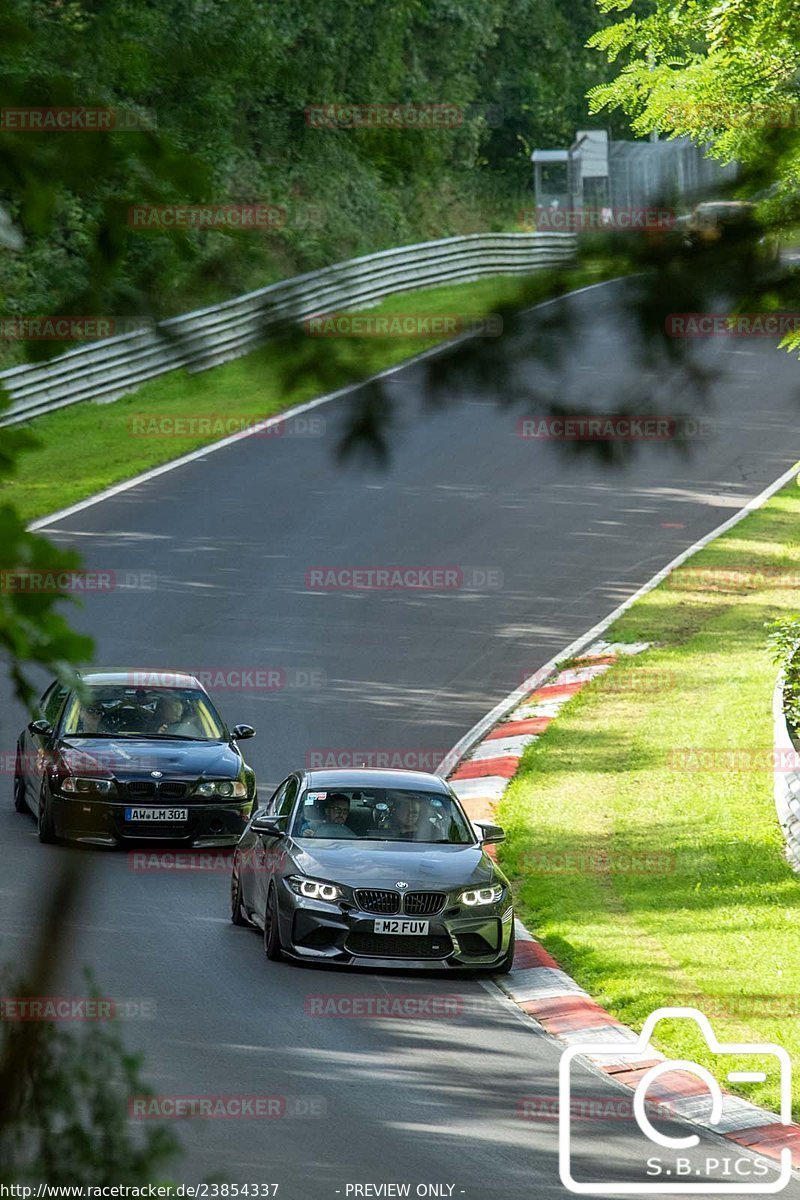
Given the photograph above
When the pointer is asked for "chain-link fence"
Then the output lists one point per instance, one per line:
(597, 173)
(669, 171)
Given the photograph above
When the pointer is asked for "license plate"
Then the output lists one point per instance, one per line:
(387, 925)
(156, 814)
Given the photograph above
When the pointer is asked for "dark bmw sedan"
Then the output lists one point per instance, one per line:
(373, 868)
(133, 756)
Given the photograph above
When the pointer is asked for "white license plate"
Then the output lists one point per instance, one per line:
(387, 925)
(156, 814)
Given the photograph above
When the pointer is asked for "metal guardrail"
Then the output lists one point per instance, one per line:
(113, 367)
(787, 782)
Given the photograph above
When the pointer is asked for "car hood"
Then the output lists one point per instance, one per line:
(129, 758)
(375, 864)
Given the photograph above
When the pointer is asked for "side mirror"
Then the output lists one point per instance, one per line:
(240, 732)
(264, 824)
(489, 833)
(41, 728)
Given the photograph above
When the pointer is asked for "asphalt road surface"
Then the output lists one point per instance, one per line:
(548, 546)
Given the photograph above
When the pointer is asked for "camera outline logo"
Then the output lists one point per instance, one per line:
(641, 1050)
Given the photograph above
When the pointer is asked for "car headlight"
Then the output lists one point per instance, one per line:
(80, 785)
(485, 895)
(313, 889)
(226, 789)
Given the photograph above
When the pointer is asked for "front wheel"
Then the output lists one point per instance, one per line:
(272, 933)
(20, 803)
(45, 825)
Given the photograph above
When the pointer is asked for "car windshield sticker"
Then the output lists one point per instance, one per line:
(312, 797)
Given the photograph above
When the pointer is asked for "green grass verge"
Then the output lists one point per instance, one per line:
(85, 448)
(715, 922)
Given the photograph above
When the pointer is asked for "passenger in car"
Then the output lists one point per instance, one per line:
(170, 718)
(408, 821)
(90, 720)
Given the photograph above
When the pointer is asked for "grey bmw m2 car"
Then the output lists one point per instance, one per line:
(373, 868)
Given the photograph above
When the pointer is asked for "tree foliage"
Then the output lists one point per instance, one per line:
(226, 85)
(725, 73)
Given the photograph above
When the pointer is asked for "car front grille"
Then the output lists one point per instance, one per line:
(424, 904)
(415, 904)
(174, 789)
(149, 789)
(390, 945)
(370, 900)
(141, 788)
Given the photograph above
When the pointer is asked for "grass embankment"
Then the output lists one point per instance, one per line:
(85, 448)
(714, 922)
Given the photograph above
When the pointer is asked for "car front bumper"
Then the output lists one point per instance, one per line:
(316, 931)
(102, 823)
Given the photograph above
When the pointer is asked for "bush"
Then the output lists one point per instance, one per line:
(784, 642)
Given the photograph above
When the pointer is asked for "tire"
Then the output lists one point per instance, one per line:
(237, 918)
(272, 933)
(20, 803)
(44, 821)
(508, 958)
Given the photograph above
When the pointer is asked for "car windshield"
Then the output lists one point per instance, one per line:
(119, 711)
(382, 814)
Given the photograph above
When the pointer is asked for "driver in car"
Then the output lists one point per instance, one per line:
(337, 810)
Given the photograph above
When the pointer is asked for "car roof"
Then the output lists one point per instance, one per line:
(141, 677)
(375, 777)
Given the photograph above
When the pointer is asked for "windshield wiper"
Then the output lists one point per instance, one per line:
(118, 736)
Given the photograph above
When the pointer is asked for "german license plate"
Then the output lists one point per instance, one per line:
(388, 925)
(156, 814)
